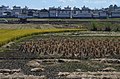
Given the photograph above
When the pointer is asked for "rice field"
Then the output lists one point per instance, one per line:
(14, 34)
(21, 43)
(26, 26)
(73, 47)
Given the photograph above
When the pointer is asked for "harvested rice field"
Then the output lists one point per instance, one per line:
(59, 51)
(64, 55)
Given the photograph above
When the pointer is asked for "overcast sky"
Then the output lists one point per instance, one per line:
(49, 3)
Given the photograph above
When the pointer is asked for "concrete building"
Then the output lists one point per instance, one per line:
(24, 13)
(115, 14)
(64, 13)
(84, 13)
(44, 13)
(4, 10)
(76, 12)
(103, 14)
(16, 11)
(95, 14)
(33, 13)
(53, 12)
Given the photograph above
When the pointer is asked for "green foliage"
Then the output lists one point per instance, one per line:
(103, 26)
(94, 28)
(107, 29)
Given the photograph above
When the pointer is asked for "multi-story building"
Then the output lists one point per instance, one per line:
(76, 12)
(16, 11)
(115, 14)
(33, 13)
(53, 12)
(4, 11)
(36, 13)
(24, 13)
(64, 13)
(103, 14)
(44, 13)
(84, 13)
(95, 13)
(67, 12)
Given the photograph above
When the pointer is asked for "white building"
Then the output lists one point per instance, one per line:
(16, 11)
(24, 13)
(103, 14)
(44, 13)
(115, 14)
(76, 13)
(53, 12)
(4, 10)
(84, 13)
(95, 14)
(36, 13)
(65, 13)
(33, 13)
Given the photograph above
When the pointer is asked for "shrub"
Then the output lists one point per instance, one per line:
(94, 28)
(107, 29)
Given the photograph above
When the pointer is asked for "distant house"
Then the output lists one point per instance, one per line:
(24, 13)
(113, 11)
(76, 12)
(115, 14)
(103, 14)
(53, 12)
(7, 14)
(64, 13)
(44, 13)
(33, 13)
(84, 13)
(16, 11)
(36, 13)
(4, 10)
(95, 14)
(30, 12)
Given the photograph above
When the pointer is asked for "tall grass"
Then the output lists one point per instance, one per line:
(11, 35)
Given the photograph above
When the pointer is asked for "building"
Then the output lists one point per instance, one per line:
(4, 11)
(95, 14)
(16, 11)
(53, 12)
(35, 13)
(64, 13)
(30, 12)
(76, 12)
(103, 14)
(44, 13)
(115, 14)
(83, 13)
(24, 13)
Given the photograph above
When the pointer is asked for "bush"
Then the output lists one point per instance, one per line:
(107, 29)
(117, 30)
(94, 27)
